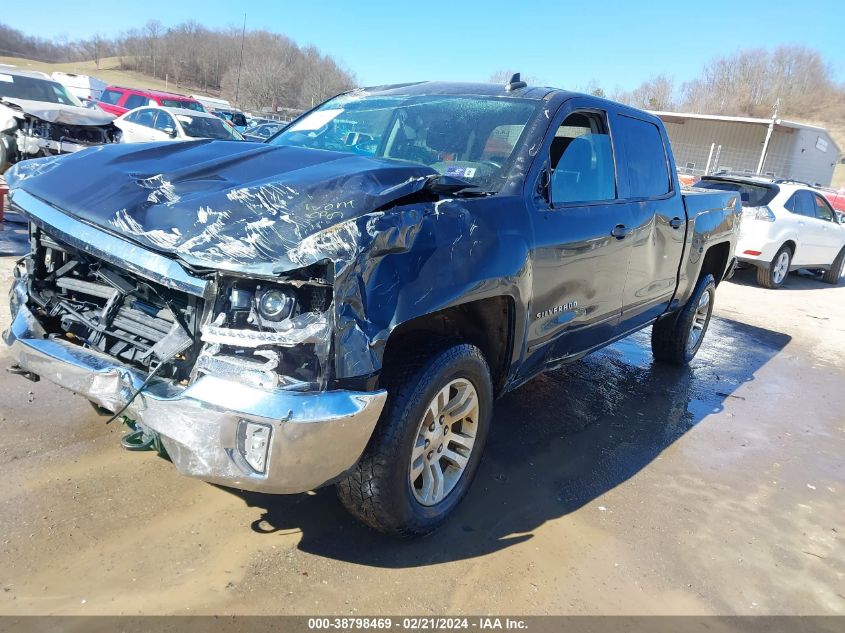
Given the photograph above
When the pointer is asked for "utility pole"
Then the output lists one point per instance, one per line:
(768, 136)
(240, 65)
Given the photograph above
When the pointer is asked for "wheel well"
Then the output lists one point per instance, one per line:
(716, 261)
(792, 246)
(487, 324)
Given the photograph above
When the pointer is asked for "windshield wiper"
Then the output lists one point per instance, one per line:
(449, 185)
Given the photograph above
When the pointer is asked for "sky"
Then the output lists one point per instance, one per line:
(562, 44)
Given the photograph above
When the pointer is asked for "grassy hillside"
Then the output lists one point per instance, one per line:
(109, 72)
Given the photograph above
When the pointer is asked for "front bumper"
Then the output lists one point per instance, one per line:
(315, 436)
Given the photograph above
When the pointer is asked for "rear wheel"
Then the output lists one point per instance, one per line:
(676, 338)
(833, 275)
(427, 445)
(775, 274)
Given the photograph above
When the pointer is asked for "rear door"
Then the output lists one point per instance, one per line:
(581, 250)
(659, 221)
(138, 126)
(808, 248)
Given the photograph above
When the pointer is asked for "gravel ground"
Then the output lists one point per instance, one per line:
(614, 486)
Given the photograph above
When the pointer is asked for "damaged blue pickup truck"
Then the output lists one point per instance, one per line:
(342, 304)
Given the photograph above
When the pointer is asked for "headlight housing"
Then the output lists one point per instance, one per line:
(269, 333)
(275, 305)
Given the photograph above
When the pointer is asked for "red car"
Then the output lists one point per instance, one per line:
(836, 198)
(116, 100)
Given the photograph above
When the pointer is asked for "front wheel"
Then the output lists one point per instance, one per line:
(427, 444)
(832, 276)
(676, 338)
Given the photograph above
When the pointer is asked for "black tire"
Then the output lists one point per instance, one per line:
(833, 275)
(378, 489)
(766, 276)
(670, 335)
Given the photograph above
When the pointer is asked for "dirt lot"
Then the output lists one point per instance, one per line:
(613, 486)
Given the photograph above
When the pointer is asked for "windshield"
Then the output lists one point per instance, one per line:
(187, 105)
(208, 127)
(35, 89)
(265, 130)
(752, 195)
(466, 137)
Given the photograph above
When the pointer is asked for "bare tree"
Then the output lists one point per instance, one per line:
(655, 93)
(95, 48)
(153, 31)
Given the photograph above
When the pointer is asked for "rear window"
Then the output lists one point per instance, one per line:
(135, 101)
(752, 194)
(111, 96)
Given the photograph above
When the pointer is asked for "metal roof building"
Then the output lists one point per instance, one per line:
(704, 144)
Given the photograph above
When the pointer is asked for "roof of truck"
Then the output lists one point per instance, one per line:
(460, 88)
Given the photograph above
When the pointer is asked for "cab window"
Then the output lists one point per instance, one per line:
(645, 154)
(581, 160)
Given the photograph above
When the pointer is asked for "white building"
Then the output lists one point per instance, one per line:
(705, 144)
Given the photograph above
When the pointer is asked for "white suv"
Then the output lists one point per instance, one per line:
(785, 226)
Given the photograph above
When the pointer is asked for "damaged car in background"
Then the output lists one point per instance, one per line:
(40, 117)
(342, 304)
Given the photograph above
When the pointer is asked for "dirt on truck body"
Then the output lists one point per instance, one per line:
(343, 303)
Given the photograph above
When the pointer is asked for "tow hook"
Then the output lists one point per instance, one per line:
(20, 371)
(142, 438)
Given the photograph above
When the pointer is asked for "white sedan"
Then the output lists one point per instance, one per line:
(785, 226)
(155, 123)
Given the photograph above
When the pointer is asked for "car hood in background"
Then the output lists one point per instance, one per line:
(59, 113)
(226, 205)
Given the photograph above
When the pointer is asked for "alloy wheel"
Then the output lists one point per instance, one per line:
(699, 322)
(781, 267)
(444, 442)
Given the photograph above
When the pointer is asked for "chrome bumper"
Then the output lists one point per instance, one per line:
(315, 436)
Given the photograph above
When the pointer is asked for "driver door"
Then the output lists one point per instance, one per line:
(581, 246)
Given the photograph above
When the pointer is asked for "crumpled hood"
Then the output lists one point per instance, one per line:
(59, 113)
(227, 205)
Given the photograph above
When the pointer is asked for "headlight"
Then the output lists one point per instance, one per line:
(275, 305)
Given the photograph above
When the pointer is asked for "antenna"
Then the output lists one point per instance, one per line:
(515, 83)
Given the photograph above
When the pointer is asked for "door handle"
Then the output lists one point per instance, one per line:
(620, 231)
(676, 223)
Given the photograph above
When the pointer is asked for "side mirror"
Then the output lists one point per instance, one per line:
(170, 131)
(745, 196)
